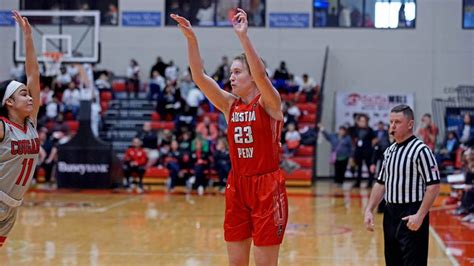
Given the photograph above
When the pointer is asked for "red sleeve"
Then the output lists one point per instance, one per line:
(128, 156)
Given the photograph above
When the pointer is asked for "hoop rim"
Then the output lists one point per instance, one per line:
(53, 56)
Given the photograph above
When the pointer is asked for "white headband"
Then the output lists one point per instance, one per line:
(11, 88)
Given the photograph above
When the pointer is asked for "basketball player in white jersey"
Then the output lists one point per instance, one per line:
(19, 142)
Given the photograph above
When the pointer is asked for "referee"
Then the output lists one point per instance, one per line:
(409, 180)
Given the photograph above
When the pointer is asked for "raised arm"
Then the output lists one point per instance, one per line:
(220, 98)
(31, 64)
(270, 98)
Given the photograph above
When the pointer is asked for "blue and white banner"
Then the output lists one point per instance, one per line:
(289, 20)
(141, 19)
(6, 18)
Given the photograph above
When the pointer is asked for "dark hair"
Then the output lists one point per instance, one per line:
(242, 57)
(3, 89)
(405, 109)
(427, 115)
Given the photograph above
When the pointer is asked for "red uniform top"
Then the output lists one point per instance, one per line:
(254, 139)
(136, 155)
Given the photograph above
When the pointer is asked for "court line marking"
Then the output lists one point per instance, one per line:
(440, 242)
(114, 205)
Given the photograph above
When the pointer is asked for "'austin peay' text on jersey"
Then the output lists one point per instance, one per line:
(254, 139)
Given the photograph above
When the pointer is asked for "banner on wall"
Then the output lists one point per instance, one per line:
(376, 105)
(289, 20)
(455, 118)
(6, 18)
(141, 19)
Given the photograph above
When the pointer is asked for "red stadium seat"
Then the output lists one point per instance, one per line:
(118, 86)
(72, 125)
(162, 125)
(304, 162)
(106, 96)
(299, 174)
(155, 172)
(155, 116)
(104, 105)
(304, 151)
(310, 108)
(308, 118)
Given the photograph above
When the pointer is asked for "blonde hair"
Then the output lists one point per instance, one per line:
(243, 58)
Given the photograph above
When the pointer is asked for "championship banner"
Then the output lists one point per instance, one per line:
(376, 105)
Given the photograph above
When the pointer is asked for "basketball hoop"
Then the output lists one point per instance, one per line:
(52, 62)
(53, 56)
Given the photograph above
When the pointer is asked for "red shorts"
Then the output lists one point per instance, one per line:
(257, 207)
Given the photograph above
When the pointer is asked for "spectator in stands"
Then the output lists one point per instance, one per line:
(185, 142)
(293, 113)
(72, 70)
(332, 18)
(156, 86)
(363, 137)
(307, 87)
(341, 151)
(383, 138)
(103, 83)
(195, 97)
(149, 141)
(171, 72)
(344, 16)
(165, 137)
(427, 131)
(222, 162)
(63, 79)
(280, 76)
(159, 66)
(95, 116)
(292, 85)
(166, 105)
(202, 165)
(222, 73)
(466, 131)
(205, 14)
(72, 99)
(186, 84)
(292, 140)
(53, 108)
(466, 206)
(308, 136)
(207, 129)
(450, 146)
(171, 162)
(185, 121)
(111, 17)
(133, 77)
(17, 72)
(47, 145)
(134, 163)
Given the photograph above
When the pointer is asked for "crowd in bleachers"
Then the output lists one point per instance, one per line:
(184, 130)
(187, 136)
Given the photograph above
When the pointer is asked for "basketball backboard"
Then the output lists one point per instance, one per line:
(75, 34)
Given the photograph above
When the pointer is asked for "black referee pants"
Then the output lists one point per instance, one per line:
(403, 246)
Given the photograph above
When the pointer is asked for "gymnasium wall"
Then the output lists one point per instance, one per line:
(437, 54)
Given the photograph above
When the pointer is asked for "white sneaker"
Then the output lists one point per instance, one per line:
(468, 217)
(200, 190)
(140, 190)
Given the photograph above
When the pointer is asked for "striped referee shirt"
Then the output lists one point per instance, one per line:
(407, 169)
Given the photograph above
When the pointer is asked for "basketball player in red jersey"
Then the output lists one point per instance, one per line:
(256, 201)
(19, 142)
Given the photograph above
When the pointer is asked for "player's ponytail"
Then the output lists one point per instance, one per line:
(3, 89)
